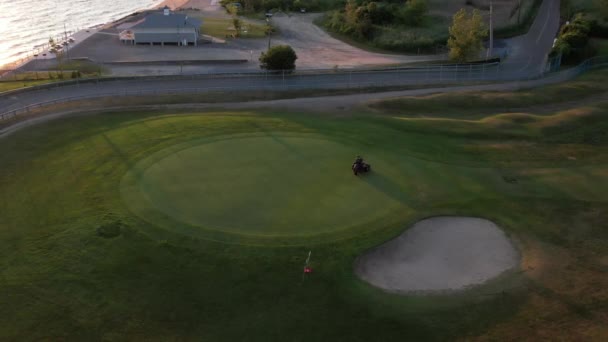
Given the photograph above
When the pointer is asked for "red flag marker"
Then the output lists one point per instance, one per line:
(307, 269)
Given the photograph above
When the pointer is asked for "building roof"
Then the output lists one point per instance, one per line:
(173, 20)
(164, 37)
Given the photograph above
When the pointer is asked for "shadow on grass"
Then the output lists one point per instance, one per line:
(276, 138)
(123, 157)
(386, 185)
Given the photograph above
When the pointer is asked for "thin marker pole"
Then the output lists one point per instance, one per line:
(306, 266)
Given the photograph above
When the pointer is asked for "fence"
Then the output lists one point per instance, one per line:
(428, 73)
(282, 81)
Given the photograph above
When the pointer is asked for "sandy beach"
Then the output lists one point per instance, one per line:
(177, 4)
(85, 33)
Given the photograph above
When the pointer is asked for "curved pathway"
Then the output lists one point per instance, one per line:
(534, 46)
(528, 53)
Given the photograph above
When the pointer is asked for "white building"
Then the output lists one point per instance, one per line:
(164, 28)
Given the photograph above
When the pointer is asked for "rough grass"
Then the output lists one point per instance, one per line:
(474, 105)
(66, 273)
(12, 85)
(61, 72)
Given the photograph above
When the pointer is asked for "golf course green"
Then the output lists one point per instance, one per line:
(269, 184)
(196, 225)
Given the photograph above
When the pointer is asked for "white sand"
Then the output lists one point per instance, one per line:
(439, 254)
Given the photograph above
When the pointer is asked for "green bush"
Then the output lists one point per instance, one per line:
(573, 41)
(280, 57)
(408, 40)
(598, 29)
(368, 22)
(268, 5)
(413, 13)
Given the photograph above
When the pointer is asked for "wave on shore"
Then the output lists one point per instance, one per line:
(27, 25)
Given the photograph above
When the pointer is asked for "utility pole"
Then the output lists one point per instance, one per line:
(519, 13)
(179, 37)
(489, 54)
(269, 29)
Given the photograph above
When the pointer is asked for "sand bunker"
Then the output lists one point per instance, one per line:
(439, 254)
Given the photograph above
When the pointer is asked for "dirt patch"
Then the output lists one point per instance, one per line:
(110, 230)
(439, 254)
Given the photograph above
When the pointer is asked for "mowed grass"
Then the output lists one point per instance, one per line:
(78, 264)
(268, 184)
(223, 27)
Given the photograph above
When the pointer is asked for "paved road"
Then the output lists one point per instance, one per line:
(320, 104)
(526, 61)
(528, 53)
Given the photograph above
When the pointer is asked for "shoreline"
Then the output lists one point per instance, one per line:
(172, 4)
(8, 68)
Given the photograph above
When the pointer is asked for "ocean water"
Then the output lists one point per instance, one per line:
(26, 25)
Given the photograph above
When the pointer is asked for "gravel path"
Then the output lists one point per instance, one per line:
(439, 254)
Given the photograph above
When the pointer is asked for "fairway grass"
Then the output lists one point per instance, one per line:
(173, 226)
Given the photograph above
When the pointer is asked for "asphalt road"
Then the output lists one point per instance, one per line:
(527, 60)
(528, 53)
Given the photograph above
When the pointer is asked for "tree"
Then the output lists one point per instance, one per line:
(466, 36)
(363, 26)
(414, 12)
(279, 57)
(566, 9)
(268, 5)
(350, 12)
(358, 20)
(236, 22)
(573, 40)
(602, 8)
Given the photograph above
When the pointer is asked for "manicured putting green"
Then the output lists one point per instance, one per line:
(271, 185)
